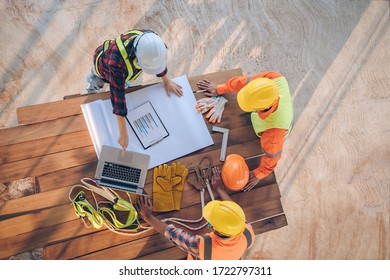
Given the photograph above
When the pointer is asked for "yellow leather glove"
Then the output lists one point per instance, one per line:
(179, 175)
(162, 189)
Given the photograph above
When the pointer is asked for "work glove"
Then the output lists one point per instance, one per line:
(215, 114)
(179, 175)
(162, 189)
(205, 104)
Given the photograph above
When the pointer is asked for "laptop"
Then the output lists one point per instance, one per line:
(125, 173)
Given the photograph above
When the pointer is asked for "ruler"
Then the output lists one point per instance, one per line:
(225, 136)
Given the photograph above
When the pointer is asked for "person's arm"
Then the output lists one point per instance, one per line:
(184, 240)
(217, 184)
(171, 86)
(272, 141)
(145, 209)
(123, 138)
(118, 101)
(234, 84)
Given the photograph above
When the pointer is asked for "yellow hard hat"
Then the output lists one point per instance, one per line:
(235, 172)
(226, 217)
(258, 94)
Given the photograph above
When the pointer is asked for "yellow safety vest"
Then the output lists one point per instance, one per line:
(132, 68)
(282, 117)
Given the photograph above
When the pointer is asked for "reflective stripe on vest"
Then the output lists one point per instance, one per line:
(207, 247)
(131, 66)
(248, 236)
(282, 117)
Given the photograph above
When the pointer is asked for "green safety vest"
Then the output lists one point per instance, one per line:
(132, 68)
(282, 117)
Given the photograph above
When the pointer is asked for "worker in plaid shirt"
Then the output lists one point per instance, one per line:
(230, 235)
(120, 60)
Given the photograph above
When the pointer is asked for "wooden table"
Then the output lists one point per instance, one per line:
(52, 145)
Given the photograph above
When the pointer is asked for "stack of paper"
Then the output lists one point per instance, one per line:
(186, 127)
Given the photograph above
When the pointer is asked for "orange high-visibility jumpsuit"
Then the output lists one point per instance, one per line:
(213, 247)
(271, 140)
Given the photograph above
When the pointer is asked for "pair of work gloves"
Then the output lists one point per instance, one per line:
(168, 185)
(214, 106)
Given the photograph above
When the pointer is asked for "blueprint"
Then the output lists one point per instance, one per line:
(186, 126)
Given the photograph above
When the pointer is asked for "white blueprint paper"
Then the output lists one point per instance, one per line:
(186, 126)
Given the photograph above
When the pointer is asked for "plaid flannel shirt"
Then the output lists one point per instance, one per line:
(113, 70)
(184, 240)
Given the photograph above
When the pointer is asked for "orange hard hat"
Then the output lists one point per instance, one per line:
(235, 172)
(259, 94)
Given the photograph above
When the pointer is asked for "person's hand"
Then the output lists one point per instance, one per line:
(216, 180)
(123, 141)
(171, 86)
(210, 87)
(144, 207)
(252, 182)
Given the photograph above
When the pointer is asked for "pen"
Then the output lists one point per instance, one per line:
(156, 141)
(199, 91)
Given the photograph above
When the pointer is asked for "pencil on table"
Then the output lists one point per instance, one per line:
(199, 91)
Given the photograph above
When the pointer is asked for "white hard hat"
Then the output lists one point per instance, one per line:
(151, 53)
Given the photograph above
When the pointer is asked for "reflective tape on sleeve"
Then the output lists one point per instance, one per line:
(273, 155)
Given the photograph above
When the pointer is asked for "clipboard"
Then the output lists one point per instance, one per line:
(147, 125)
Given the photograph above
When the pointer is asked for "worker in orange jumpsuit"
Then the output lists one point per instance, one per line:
(267, 96)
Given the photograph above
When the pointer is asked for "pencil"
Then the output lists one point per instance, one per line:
(199, 91)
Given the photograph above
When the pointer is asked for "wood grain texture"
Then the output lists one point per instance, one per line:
(47, 163)
(46, 226)
(106, 245)
(334, 173)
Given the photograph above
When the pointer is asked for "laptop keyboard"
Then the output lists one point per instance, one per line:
(121, 172)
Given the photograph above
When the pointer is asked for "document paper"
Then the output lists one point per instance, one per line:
(186, 126)
(146, 125)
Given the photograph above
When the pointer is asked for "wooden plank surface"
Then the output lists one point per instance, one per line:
(39, 238)
(38, 151)
(268, 198)
(66, 177)
(190, 197)
(127, 251)
(71, 106)
(29, 132)
(54, 145)
(34, 221)
(47, 163)
(35, 202)
(72, 175)
(63, 129)
(58, 184)
(44, 146)
(47, 226)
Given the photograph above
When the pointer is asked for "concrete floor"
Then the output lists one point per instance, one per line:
(335, 171)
